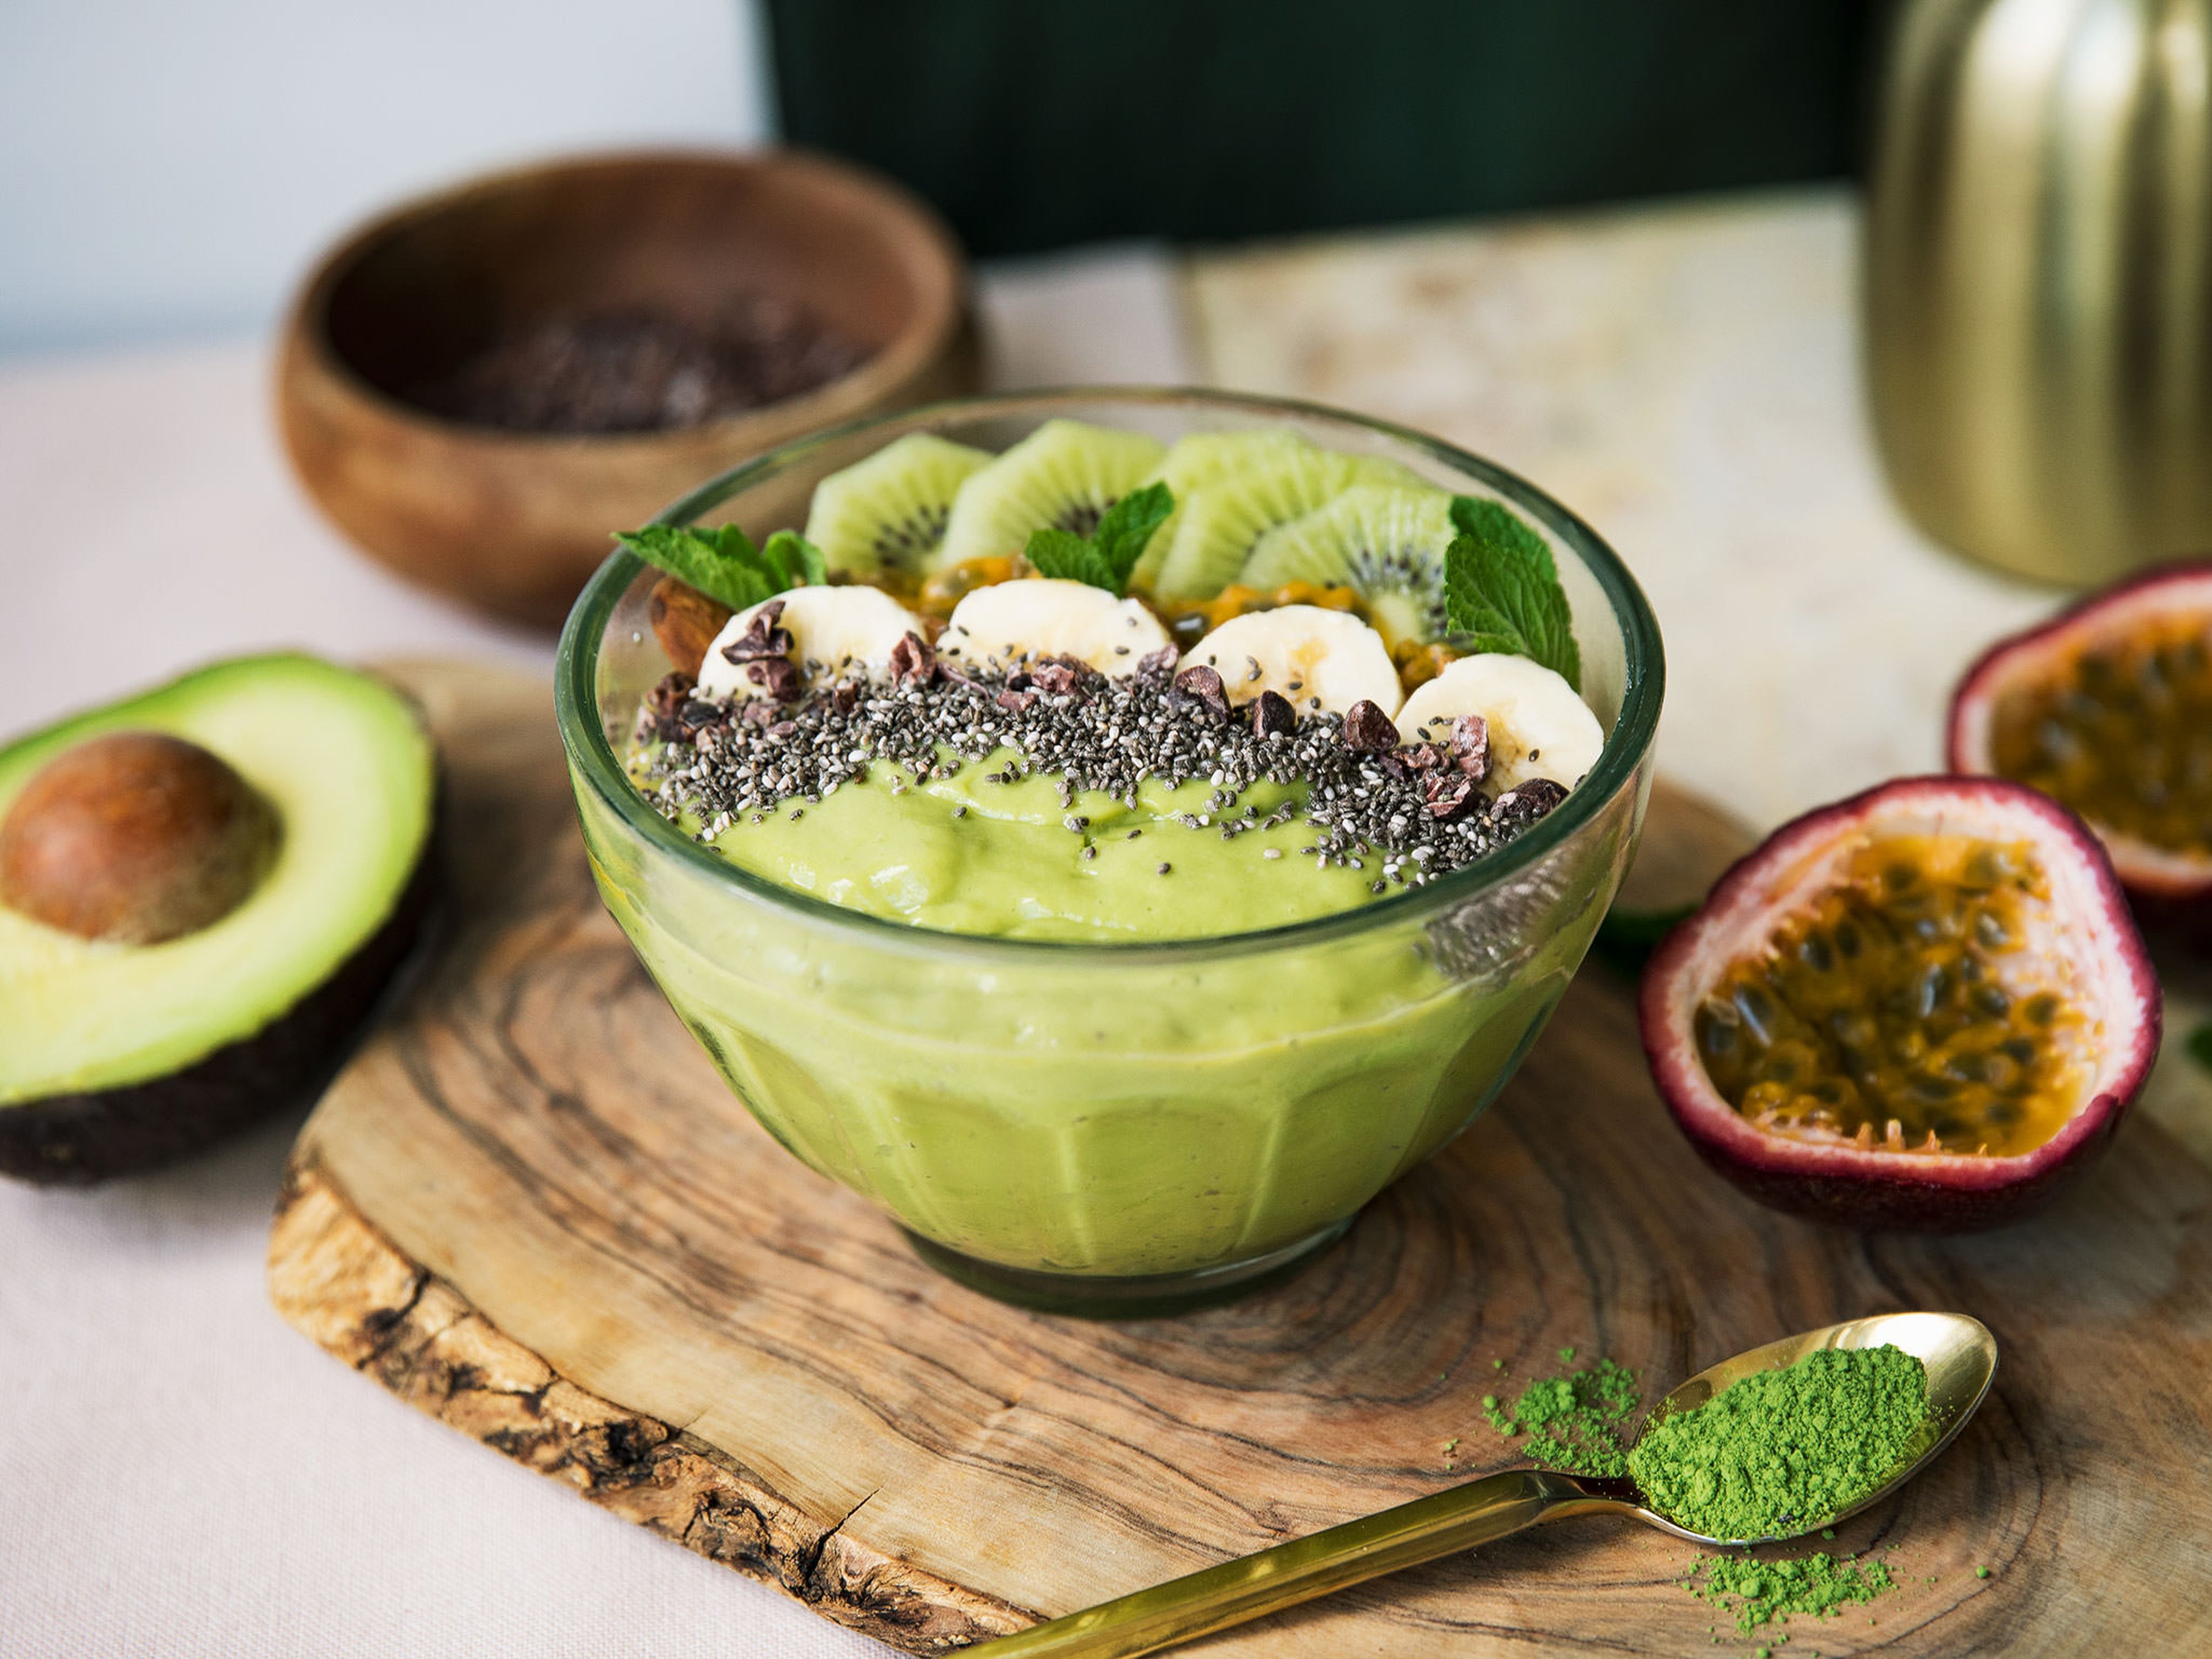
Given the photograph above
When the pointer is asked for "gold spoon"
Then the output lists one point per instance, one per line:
(1960, 1355)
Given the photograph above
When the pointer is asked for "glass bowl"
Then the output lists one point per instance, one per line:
(1114, 1127)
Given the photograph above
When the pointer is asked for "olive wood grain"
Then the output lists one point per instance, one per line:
(526, 1208)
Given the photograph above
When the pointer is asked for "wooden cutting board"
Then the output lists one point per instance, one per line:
(529, 1207)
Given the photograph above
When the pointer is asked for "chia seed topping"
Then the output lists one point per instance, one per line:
(1415, 807)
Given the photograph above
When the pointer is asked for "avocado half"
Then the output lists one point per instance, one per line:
(117, 1058)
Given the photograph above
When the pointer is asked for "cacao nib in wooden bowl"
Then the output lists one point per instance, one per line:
(481, 385)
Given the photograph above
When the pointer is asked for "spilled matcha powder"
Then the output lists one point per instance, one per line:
(1573, 1422)
(1763, 1592)
(1784, 1451)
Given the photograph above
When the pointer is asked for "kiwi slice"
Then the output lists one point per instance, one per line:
(1221, 520)
(1386, 542)
(1064, 475)
(1196, 460)
(888, 512)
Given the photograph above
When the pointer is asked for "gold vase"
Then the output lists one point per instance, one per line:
(2039, 280)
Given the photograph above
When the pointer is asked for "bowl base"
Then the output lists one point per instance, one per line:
(1141, 1296)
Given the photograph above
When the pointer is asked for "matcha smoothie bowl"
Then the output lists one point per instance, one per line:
(1117, 832)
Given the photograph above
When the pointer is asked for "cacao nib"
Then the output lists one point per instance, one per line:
(1272, 716)
(1055, 677)
(1525, 803)
(778, 676)
(643, 367)
(762, 638)
(678, 715)
(670, 694)
(1470, 745)
(1014, 702)
(1412, 759)
(1367, 728)
(1201, 685)
(913, 660)
(1448, 793)
(1162, 661)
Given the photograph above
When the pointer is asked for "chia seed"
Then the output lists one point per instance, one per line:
(719, 762)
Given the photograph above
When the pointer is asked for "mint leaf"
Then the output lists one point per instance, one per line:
(723, 564)
(1495, 524)
(1502, 590)
(1127, 527)
(1107, 557)
(710, 561)
(1063, 553)
(800, 560)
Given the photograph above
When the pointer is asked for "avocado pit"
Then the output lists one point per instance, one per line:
(136, 838)
(1924, 1007)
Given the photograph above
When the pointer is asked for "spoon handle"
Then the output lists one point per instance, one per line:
(1186, 1608)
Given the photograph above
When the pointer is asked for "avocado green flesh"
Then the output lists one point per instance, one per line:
(350, 771)
(1010, 867)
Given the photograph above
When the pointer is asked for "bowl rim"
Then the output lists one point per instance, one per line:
(934, 261)
(592, 759)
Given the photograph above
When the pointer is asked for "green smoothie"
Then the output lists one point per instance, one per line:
(1146, 940)
(967, 856)
(1083, 1111)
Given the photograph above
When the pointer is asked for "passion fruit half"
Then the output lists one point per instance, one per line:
(1926, 1006)
(2107, 708)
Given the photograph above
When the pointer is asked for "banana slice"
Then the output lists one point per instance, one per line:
(830, 627)
(1539, 727)
(1318, 659)
(1008, 622)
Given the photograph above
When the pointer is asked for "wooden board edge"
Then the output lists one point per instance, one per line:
(341, 1283)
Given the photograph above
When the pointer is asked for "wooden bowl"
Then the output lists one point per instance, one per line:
(513, 522)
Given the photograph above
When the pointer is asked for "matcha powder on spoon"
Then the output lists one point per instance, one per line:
(1786, 1449)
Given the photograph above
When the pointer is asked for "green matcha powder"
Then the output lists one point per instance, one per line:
(1778, 1452)
(1573, 1422)
(1785, 1450)
(1761, 1592)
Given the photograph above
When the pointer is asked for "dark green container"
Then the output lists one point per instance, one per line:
(1036, 123)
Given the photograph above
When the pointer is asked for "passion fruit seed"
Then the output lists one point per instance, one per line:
(941, 590)
(1902, 1011)
(135, 837)
(1192, 621)
(2123, 734)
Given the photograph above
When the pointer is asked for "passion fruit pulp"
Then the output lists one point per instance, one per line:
(2107, 708)
(1925, 1006)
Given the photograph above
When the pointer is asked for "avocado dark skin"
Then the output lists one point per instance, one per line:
(81, 1140)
